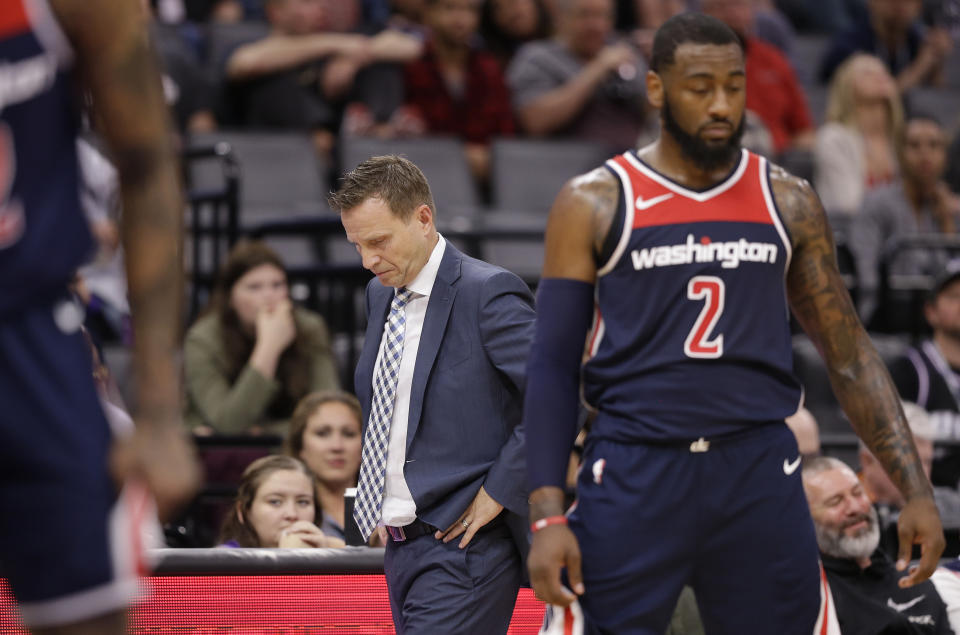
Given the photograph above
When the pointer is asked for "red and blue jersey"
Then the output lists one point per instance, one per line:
(44, 236)
(691, 336)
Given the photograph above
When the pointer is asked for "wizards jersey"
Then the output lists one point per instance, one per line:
(691, 335)
(44, 236)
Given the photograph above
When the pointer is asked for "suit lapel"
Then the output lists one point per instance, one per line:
(434, 326)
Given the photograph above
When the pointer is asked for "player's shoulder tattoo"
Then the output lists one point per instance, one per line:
(799, 206)
(598, 193)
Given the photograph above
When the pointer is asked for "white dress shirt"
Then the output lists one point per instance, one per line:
(399, 509)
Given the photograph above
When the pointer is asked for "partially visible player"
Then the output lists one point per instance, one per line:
(688, 255)
(66, 540)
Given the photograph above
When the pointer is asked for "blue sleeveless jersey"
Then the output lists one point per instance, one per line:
(691, 336)
(44, 236)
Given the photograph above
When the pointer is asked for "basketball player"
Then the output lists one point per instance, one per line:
(687, 256)
(66, 539)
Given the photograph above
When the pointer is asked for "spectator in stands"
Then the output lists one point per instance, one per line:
(301, 75)
(953, 164)
(887, 498)
(276, 506)
(507, 24)
(325, 434)
(918, 203)
(773, 27)
(804, 426)
(863, 579)
(929, 374)
(653, 14)
(773, 91)
(891, 30)
(584, 83)
(456, 87)
(254, 355)
(188, 91)
(855, 148)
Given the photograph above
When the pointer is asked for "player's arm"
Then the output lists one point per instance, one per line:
(859, 377)
(119, 69)
(578, 224)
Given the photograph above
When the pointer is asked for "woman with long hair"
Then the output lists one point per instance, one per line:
(856, 148)
(325, 434)
(276, 506)
(253, 355)
(506, 25)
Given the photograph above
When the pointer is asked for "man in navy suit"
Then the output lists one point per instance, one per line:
(441, 380)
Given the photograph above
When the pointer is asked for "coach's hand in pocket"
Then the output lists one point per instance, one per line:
(482, 510)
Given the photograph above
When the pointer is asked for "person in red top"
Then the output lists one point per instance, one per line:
(457, 88)
(773, 92)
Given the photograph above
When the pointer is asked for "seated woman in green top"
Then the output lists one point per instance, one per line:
(253, 355)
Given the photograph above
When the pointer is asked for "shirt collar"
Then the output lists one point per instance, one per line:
(880, 564)
(423, 283)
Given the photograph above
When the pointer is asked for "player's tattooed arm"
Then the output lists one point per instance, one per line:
(578, 225)
(823, 307)
(120, 73)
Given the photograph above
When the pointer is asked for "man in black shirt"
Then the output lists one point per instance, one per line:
(863, 580)
(929, 374)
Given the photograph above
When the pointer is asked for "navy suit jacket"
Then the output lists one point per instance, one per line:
(466, 398)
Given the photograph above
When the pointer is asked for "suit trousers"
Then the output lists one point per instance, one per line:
(440, 588)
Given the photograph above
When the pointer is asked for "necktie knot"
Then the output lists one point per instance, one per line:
(402, 296)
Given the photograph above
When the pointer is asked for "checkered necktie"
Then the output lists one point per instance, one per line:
(366, 509)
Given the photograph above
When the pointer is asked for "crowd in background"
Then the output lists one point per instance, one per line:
(864, 121)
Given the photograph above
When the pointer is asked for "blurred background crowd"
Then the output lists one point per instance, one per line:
(499, 102)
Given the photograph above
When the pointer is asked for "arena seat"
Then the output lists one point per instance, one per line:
(280, 172)
(809, 49)
(280, 175)
(526, 174)
(939, 102)
(514, 241)
(817, 102)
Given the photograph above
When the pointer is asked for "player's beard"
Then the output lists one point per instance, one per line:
(707, 157)
(834, 542)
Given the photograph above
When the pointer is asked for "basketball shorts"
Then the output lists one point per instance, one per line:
(728, 518)
(67, 543)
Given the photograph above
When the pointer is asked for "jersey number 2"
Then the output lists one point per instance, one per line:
(701, 343)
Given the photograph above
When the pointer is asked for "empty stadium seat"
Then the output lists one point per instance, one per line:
(526, 174)
(808, 50)
(280, 173)
(942, 103)
(514, 241)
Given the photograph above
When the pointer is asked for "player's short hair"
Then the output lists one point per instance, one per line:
(695, 28)
(393, 179)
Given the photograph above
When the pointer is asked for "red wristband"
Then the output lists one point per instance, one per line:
(549, 520)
